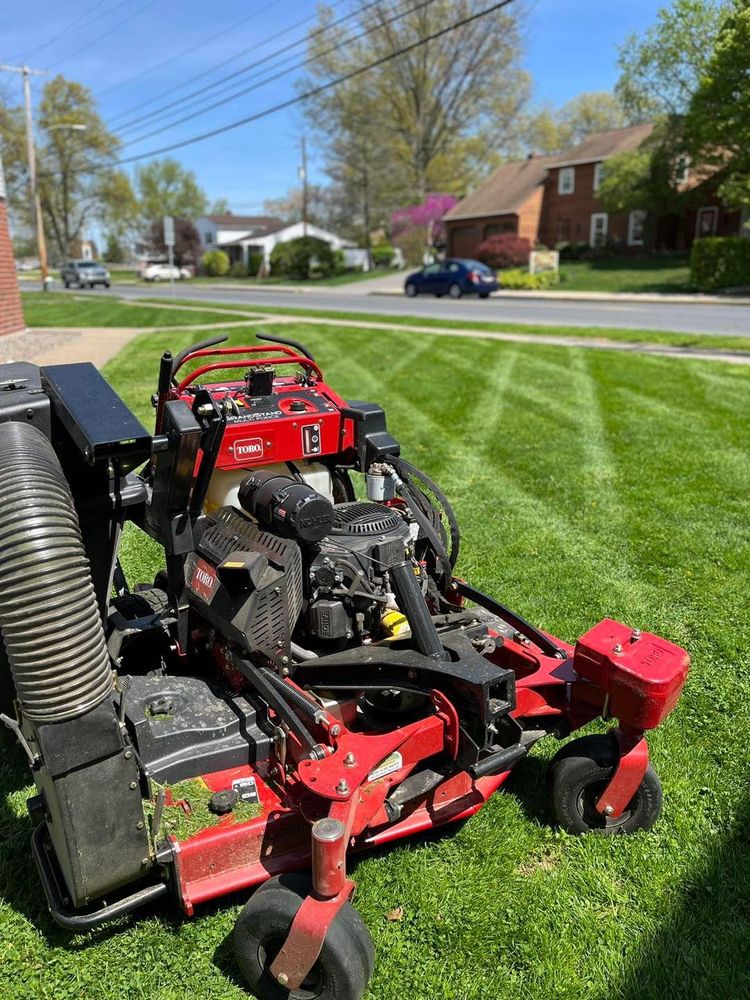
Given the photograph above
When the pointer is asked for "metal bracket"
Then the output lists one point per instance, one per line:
(628, 775)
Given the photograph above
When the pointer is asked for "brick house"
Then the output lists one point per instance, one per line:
(11, 315)
(552, 200)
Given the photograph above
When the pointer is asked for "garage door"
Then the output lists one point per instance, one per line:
(464, 241)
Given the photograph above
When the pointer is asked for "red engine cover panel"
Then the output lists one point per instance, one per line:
(643, 674)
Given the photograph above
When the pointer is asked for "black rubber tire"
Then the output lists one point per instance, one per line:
(578, 774)
(346, 961)
(484, 295)
(411, 291)
(438, 295)
(67, 284)
(141, 603)
(455, 291)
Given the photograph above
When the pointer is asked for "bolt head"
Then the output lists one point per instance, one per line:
(282, 979)
(350, 760)
(343, 787)
(608, 810)
(336, 730)
(617, 648)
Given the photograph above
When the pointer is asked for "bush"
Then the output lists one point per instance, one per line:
(339, 264)
(238, 269)
(517, 278)
(504, 250)
(720, 262)
(215, 263)
(254, 262)
(572, 251)
(303, 257)
(382, 255)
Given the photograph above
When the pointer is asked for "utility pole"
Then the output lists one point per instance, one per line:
(36, 207)
(303, 175)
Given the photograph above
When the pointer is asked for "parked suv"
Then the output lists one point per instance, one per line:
(84, 273)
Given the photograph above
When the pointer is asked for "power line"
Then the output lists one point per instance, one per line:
(282, 105)
(86, 16)
(104, 34)
(280, 72)
(193, 48)
(158, 112)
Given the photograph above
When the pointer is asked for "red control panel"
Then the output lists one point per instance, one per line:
(274, 413)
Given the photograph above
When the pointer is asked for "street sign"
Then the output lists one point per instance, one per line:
(168, 231)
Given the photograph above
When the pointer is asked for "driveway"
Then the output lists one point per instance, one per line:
(678, 317)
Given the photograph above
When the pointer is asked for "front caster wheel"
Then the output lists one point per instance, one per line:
(579, 774)
(345, 963)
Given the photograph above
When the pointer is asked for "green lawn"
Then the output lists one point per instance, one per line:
(586, 484)
(50, 309)
(626, 274)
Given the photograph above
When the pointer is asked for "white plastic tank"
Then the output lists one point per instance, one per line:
(224, 487)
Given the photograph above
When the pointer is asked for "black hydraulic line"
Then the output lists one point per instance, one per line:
(514, 620)
(200, 346)
(412, 603)
(276, 339)
(411, 470)
(419, 516)
(84, 921)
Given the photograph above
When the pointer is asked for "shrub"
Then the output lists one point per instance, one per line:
(517, 278)
(303, 257)
(572, 251)
(339, 264)
(254, 262)
(238, 269)
(720, 262)
(382, 255)
(215, 263)
(504, 250)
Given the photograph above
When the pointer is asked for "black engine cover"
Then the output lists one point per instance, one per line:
(247, 583)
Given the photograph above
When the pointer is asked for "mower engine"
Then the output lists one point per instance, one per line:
(305, 677)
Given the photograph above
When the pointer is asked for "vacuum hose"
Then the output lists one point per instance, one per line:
(48, 611)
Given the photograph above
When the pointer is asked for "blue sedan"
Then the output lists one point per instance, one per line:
(454, 277)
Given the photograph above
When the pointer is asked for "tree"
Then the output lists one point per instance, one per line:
(165, 187)
(418, 227)
(660, 71)
(551, 131)
(75, 182)
(114, 252)
(219, 206)
(717, 125)
(187, 241)
(424, 121)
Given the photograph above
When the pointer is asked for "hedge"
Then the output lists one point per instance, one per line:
(215, 263)
(504, 250)
(303, 257)
(720, 262)
(518, 278)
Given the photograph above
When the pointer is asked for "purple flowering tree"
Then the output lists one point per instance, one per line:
(420, 226)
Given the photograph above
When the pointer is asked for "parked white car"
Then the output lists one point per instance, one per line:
(164, 272)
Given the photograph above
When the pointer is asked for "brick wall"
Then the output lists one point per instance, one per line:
(11, 314)
(567, 217)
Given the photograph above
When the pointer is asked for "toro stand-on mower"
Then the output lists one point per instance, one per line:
(306, 678)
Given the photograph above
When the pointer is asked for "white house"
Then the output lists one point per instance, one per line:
(241, 235)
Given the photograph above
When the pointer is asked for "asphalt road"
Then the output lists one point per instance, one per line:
(679, 317)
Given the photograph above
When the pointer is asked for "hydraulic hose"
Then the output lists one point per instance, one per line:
(48, 611)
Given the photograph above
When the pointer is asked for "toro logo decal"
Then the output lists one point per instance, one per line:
(203, 580)
(249, 448)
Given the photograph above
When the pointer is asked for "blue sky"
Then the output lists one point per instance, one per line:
(117, 45)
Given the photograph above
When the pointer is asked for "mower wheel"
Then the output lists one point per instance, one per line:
(579, 774)
(346, 961)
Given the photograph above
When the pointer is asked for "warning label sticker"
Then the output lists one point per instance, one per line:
(393, 762)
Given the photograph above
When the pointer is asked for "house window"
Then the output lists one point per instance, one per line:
(636, 227)
(682, 170)
(706, 222)
(207, 237)
(566, 180)
(599, 223)
(562, 231)
(598, 174)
